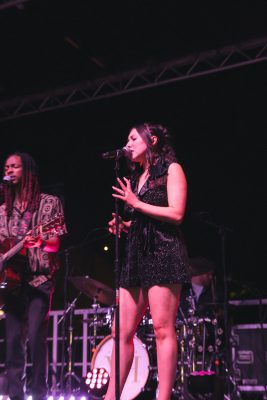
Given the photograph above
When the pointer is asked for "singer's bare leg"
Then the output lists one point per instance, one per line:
(164, 303)
(133, 303)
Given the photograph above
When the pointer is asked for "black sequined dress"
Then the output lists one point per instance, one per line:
(155, 251)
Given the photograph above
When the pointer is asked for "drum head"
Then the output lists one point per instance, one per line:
(139, 372)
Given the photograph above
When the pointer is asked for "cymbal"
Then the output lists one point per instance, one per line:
(97, 291)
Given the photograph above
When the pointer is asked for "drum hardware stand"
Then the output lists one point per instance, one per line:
(203, 346)
(181, 391)
(70, 374)
(192, 362)
(183, 354)
(95, 306)
(185, 360)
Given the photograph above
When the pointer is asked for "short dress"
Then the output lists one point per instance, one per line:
(155, 252)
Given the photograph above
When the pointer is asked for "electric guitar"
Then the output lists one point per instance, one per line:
(10, 275)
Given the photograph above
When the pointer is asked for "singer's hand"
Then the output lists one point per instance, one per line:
(123, 225)
(125, 193)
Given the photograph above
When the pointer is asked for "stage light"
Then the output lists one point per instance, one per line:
(97, 382)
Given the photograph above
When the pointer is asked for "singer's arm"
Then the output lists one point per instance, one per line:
(176, 190)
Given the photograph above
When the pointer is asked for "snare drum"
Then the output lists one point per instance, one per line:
(140, 369)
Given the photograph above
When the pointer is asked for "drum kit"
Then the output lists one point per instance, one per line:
(199, 341)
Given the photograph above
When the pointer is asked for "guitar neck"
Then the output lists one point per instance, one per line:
(14, 250)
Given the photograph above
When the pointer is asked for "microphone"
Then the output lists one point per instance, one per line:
(6, 179)
(124, 152)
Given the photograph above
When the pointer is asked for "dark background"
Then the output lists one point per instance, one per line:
(218, 123)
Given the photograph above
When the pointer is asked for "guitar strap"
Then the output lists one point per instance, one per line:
(38, 279)
(24, 225)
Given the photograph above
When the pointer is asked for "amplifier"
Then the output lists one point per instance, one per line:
(249, 356)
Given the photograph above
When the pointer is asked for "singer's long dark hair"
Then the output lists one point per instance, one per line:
(162, 152)
(29, 187)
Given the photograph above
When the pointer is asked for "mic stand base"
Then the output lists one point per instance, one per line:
(71, 377)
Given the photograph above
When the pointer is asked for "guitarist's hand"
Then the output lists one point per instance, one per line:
(31, 241)
(50, 245)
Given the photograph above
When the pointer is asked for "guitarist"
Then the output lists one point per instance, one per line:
(27, 305)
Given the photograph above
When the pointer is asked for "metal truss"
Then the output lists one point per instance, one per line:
(195, 65)
(11, 3)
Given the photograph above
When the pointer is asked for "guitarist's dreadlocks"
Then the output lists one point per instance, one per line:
(30, 187)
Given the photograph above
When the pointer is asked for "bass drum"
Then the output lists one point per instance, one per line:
(139, 372)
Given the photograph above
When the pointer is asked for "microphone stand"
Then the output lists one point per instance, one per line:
(117, 273)
(70, 373)
(117, 305)
(63, 326)
(68, 310)
(222, 233)
(117, 154)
